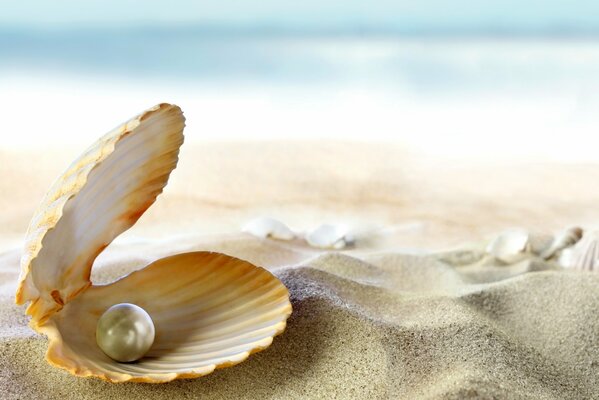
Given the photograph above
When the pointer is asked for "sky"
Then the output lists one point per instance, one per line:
(532, 16)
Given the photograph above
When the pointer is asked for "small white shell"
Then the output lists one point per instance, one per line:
(584, 256)
(266, 227)
(565, 239)
(510, 246)
(329, 237)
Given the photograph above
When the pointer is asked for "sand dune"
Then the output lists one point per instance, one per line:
(394, 317)
(366, 326)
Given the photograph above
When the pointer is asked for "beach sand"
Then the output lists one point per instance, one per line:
(401, 315)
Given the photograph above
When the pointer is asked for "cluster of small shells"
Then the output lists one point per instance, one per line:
(325, 236)
(570, 248)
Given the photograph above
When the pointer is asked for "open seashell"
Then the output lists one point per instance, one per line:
(584, 255)
(563, 240)
(329, 237)
(266, 227)
(210, 310)
(510, 246)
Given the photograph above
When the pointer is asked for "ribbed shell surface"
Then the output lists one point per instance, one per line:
(210, 311)
(102, 194)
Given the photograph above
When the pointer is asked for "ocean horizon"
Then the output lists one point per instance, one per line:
(470, 96)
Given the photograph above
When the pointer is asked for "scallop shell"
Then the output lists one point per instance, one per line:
(510, 246)
(585, 255)
(210, 310)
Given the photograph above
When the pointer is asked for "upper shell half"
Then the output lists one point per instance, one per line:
(197, 300)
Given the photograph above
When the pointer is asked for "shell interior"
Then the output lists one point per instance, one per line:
(210, 311)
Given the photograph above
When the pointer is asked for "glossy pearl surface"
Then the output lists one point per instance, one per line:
(125, 332)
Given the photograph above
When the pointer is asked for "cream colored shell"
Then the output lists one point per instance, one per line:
(102, 194)
(210, 310)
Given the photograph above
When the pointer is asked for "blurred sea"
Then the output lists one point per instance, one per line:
(466, 96)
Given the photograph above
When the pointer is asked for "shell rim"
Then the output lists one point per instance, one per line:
(54, 336)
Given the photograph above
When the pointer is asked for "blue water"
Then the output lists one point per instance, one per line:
(428, 64)
(469, 96)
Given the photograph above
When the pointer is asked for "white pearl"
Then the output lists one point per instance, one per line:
(125, 332)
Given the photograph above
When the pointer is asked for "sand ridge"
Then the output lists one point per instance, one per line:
(360, 330)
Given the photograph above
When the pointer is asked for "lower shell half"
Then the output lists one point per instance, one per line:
(209, 310)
